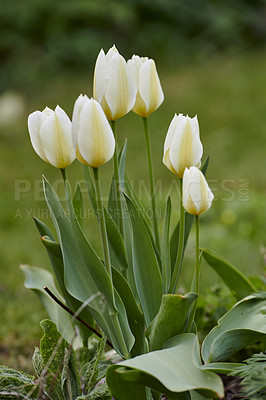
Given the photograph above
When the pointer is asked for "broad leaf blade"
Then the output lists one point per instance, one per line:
(116, 244)
(146, 270)
(170, 320)
(86, 278)
(235, 280)
(35, 279)
(244, 324)
(78, 206)
(56, 258)
(172, 371)
(135, 317)
(189, 219)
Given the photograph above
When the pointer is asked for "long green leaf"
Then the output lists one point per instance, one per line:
(35, 279)
(146, 269)
(244, 324)
(135, 316)
(224, 368)
(78, 206)
(90, 187)
(189, 219)
(166, 257)
(170, 320)
(172, 371)
(86, 279)
(235, 280)
(116, 244)
(56, 258)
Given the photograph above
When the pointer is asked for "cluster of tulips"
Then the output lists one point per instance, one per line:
(118, 88)
(131, 294)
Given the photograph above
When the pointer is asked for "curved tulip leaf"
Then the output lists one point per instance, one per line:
(135, 316)
(221, 367)
(235, 280)
(189, 219)
(143, 214)
(116, 244)
(55, 255)
(43, 229)
(112, 204)
(78, 206)
(35, 279)
(84, 271)
(172, 371)
(146, 269)
(244, 324)
(170, 320)
(86, 278)
(90, 187)
(166, 257)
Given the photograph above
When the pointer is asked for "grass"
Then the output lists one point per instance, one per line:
(227, 95)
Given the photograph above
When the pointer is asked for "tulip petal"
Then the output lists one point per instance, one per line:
(96, 141)
(120, 94)
(197, 196)
(186, 148)
(168, 140)
(34, 125)
(150, 89)
(100, 77)
(75, 117)
(134, 73)
(56, 136)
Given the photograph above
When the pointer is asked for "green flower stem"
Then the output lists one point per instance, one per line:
(63, 172)
(119, 335)
(178, 262)
(101, 219)
(197, 255)
(117, 183)
(151, 177)
(107, 260)
(197, 273)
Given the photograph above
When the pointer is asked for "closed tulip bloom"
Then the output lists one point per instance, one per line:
(92, 135)
(112, 85)
(51, 136)
(182, 146)
(197, 196)
(147, 84)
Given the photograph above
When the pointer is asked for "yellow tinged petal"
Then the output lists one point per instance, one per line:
(96, 142)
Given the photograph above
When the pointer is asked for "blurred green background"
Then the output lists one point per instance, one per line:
(211, 58)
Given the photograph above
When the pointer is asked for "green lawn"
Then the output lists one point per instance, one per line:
(227, 94)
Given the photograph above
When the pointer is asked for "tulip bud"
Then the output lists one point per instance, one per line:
(197, 196)
(112, 85)
(51, 136)
(147, 85)
(182, 146)
(92, 135)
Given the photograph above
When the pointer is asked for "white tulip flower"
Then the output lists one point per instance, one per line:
(197, 195)
(112, 85)
(92, 135)
(51, 136)
(182, 146)
(147, 85)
